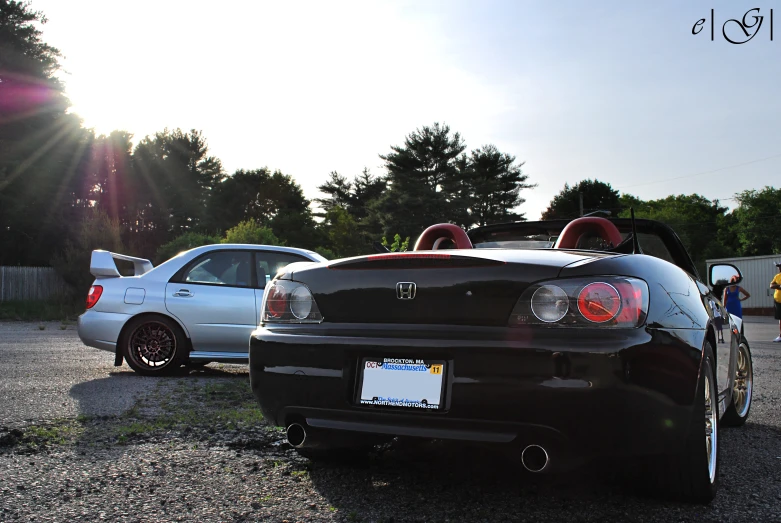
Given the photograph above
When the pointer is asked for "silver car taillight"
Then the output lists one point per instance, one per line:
(594, 301)
(286, 301)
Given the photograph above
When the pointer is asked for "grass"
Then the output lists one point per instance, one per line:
(179, 406)
(38, 437)
(193, 403)
(51, 310)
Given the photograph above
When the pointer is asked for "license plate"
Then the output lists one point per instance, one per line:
(402, 382)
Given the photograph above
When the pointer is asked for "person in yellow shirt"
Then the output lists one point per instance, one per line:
(776, 284)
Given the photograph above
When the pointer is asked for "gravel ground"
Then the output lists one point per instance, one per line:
(84, 441)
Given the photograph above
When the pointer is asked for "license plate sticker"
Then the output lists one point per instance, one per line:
(402, 382)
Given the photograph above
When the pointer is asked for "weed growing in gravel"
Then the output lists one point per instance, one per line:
(39, 437)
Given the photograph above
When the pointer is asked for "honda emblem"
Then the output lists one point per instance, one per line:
(405, 290)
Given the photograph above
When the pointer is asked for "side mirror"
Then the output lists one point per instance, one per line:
(722, 274)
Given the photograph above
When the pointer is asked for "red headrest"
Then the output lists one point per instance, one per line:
(572, 233)
(443, 230)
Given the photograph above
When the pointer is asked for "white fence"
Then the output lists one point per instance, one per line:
(30, 283)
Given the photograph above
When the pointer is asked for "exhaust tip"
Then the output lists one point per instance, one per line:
(534, 458)
(296, 434)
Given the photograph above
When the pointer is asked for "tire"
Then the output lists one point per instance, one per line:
(154, 345)
(742, 389)
(693, 474)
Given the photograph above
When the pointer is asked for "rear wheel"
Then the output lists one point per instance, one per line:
(693, 474)
(153, 345)
(742, 388)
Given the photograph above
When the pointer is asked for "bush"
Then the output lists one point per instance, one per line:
(28, 310)
(397, 245)
(250, 232)
(185, 242)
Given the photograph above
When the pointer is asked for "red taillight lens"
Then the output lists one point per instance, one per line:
(276, 302)
(94, 295)
(599, 302)
(286, 301)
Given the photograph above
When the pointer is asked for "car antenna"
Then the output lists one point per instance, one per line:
(377, 246)
(635, 242)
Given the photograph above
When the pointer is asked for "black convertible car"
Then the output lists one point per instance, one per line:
(571, 340)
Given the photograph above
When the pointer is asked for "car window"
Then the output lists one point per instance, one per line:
(268, 263)
(221, 268)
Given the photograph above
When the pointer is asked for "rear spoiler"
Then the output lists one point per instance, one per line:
(102, 264)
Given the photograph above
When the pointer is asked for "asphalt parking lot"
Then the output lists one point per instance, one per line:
(82, 440)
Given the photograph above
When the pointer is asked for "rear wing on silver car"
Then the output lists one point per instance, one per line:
(103, 264)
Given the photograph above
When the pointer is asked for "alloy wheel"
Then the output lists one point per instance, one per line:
(153, 344)
(744, 381)
(711, 426)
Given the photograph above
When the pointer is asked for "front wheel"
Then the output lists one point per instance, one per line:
(742, 388)
(693, 474)
(153, 345)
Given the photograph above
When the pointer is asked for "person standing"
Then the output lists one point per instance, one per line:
(776, 284)
(732, 298)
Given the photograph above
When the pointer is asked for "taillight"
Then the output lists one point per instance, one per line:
(94, 295)
(601, 301)
(286, 301)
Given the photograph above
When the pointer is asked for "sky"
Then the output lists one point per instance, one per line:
(614, 90)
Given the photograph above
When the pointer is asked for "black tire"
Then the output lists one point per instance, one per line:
(687, 476)
(743, 388)
(154, 345)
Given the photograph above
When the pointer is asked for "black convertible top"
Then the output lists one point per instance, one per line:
(655, 238)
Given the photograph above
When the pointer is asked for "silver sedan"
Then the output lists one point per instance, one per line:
(200, 306)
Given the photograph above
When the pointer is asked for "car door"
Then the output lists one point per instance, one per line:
(214, 297)
(267, 263)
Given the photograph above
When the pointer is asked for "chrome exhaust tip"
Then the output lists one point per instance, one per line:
(296, 435)
(534, 458)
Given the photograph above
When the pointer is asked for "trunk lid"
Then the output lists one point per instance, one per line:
(462, 287)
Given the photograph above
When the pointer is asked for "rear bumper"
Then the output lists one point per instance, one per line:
(586, 392)
(101, 329)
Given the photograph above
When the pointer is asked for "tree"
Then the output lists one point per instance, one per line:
(185, 242)
(342, 232)
(700, 224)
(273, 200)
(597, 196)
(492, 184)
(41, 146)
(250, 232)
(173, 179)
(339, 191)
(97, 231)
(424, 181)
(758, 221)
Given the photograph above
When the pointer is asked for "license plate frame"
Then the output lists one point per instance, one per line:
(382, 382)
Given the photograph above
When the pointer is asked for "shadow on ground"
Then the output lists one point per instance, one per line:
(425, 481)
